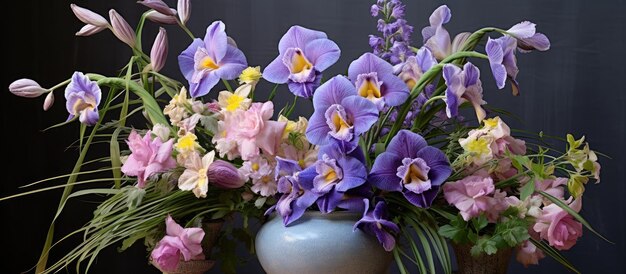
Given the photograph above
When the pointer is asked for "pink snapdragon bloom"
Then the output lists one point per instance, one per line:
(148, 156)
(178, 241)
(498, 204)
(528, 254)
(244, 132)
(470, 195)
(559, 227)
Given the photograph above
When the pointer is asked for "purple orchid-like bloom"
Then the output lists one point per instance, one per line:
(207, 61)
(375, 81)
(303, 55)
(83, 97)
(338, 178)
(375, 222)
(437, 38)
(340, 114)
(463, 86)
(502, 60)
(528, 39)
(415, 66)
(411, 166)
(296, 194)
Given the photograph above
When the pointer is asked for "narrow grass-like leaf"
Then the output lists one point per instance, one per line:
(116, 163)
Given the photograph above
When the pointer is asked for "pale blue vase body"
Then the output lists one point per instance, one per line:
(320, 244)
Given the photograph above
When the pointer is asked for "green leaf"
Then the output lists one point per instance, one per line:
(574, 214)
(554, 254)
(527, 190)
(480, 222)
(116, 162)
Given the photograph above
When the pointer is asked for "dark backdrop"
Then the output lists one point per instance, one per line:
(576, 87)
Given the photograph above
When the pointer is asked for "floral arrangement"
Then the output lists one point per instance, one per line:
(388, 140)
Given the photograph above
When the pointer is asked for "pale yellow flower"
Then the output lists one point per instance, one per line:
(195, 177)
(250, 75)
(294, 126)
(187, 143)
(230, 101)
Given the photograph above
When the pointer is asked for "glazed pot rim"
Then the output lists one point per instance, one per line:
(315, 214)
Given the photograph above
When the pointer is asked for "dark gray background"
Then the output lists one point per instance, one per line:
(577, 87)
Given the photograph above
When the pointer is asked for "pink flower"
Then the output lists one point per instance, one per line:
(250, 130)
(469, 195)
(528, 254)
(553, 187)
(559, 227)
(178, 241)
(497, 205)
(148, 156)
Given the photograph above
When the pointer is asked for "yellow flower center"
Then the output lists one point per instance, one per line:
(369, 90)
(208, 63)
(255, 166)
(478, 146)
(301, 163)
(299, 63)
(81, 105)
(186, 143)
(491, 122)
(233, 102)
(330, 176)
(340, 123)
(414, 174)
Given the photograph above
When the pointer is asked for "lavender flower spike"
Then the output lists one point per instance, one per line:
(83, 97)
(463, 86)
(501, 53)
(158, 53)
(374, 80)
(303, 55)
(26, 88)
(375, 222)
(340, 114)
(412, 167)
(204, 62)
(121, 29)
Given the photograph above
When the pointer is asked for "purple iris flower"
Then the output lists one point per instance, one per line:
(463, 86)
(501, 53)
(82, 99)
(207, 61)
(437, 38)
(296, 194)
(528, 38)
(303, 55)
(375, 222)
(375, 81)
(415, 66)
(411, 166)
(351, 200)
(340, 114)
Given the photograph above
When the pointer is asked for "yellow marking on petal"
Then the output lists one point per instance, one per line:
(234, 102)
(202, 175)
(255, 166)
(266, 179)
(478, 146)
(491, 122)
(369, 90)
(414, 174)
(340, 124)
(410, 83)
(208, 63)
(299, 63)
(81, 105)
(301, 163)
(330, 176)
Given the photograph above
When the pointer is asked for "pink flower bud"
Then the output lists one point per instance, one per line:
(158, 17)
(89, 17)
(47, 104)
(159, 6)
(88, 30)
(184, 10)
(26, 88)
(158, 53)
(224, 175)
(121, 29)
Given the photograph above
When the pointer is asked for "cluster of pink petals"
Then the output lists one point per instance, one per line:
(528, 253)
(148, 156)
(178, 241)
(559, 227)
(245, 132)
(470, 195)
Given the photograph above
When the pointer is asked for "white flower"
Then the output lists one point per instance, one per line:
(195, 175)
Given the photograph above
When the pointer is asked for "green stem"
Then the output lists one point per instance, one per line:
(61, 84)
(228, 87)
(182, 26)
